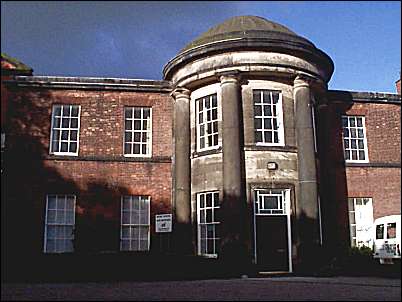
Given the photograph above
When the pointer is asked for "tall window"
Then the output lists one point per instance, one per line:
(208, 223)
(137, 131)
(65, 130)
(134, 234)
(268, 118)
(354, 139)
(59, 223)
(207, 122)
(361, 221)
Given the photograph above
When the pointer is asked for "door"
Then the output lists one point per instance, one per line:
(272, 230)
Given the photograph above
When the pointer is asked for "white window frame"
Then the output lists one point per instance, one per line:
(365, 146)
(58, 196)
(369, 225)
(147, 131)
(205, 122)
(139, 225)
(214, 223)
(53, 128)
(278, 117)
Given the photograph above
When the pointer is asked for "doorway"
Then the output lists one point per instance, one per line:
(272, 242)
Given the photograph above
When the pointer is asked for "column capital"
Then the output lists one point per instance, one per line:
(232, 76)
(180, 92)
(303, 80)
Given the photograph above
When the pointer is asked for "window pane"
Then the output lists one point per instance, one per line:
(73, 135)
(51, 232)
(267, 137)
(74, 123)
(146, 113)
(128, 113)
(209, 200)
(57, 110)
(137, 125)
(64, 147)
(66, 110)
(128, 136)
(127, 148)
(391, 230)
(65, 122)
(258, 136)
(128, 125)
(352, 122)
(56, 122)
(380, 231)
(359, 122)
(136, 149)
(74, 111)
(51, 245)
(137, 113)
(257, 110)
(202, 203)
(267, 110)
(344, 122)
(360, 133)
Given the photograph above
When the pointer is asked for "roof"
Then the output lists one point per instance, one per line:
(237, 27)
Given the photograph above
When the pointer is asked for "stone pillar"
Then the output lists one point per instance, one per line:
(182, 230)
(233, 248)
(307, 198)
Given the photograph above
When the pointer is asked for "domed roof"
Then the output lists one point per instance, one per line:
(239, 27)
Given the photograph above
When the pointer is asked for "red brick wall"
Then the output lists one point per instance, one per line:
(379, 179)
(99, 176)
(383, 130)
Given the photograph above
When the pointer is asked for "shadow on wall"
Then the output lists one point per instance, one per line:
(26, 180)
(332, 175)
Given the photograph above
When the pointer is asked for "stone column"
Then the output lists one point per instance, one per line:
(307, 198)
(234, 202)
(182, 230)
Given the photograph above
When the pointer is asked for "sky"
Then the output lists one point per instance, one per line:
(135, 40)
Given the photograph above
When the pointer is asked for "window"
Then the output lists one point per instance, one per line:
(354, 139)
(65, 130)
(391, 230)
(271, 202)
(268, 120)
(379, 231)
(208, 223)
(207, 122)
(59, 223)
(360, 221)
(134, 233)
(137, 131)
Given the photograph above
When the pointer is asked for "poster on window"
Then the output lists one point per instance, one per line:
(163, 223)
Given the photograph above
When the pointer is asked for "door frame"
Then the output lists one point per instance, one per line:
(287, 192)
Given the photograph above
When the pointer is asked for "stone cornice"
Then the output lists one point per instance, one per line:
(91, 83)
(296, 46)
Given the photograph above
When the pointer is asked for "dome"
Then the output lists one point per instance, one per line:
(239, 27)
(249, 33)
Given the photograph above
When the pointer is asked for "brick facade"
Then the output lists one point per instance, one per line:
(98, 176)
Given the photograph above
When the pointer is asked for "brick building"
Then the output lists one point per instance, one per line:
(242, 142)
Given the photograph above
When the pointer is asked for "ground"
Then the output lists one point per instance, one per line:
(263, 289)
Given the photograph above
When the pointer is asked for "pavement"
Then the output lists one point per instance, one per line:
(288, 288)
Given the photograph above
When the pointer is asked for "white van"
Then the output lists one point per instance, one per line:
(387, 238)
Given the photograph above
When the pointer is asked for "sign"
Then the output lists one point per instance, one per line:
(163, 223)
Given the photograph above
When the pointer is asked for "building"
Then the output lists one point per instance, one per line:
(242, 142)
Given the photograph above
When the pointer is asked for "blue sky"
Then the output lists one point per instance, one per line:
(136, 39)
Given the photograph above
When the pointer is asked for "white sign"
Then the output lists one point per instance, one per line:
(163, 223)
